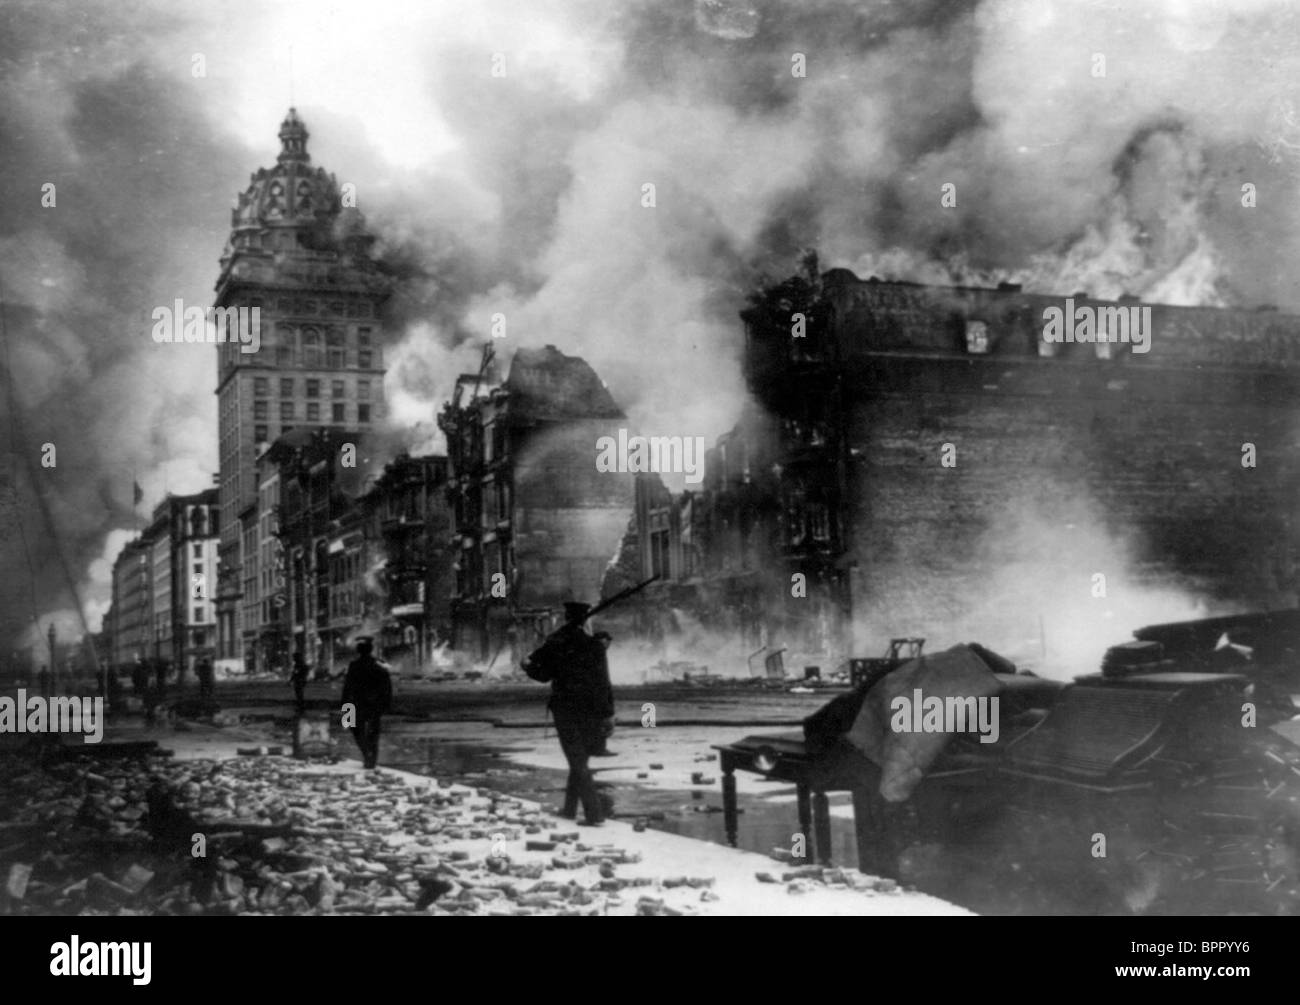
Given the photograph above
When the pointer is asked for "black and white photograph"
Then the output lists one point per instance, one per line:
(688, 458)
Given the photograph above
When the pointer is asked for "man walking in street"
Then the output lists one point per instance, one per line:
(582, 702)
(369, 691)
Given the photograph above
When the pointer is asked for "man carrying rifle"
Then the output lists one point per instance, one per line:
(582, 702)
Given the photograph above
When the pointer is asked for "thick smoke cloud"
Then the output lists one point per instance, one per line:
(141, 189)
(522, 194)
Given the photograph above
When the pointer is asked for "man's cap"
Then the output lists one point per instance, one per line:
(574, 610)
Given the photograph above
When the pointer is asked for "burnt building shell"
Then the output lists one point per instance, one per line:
(536, 524)
(305, 521)
(406, 513)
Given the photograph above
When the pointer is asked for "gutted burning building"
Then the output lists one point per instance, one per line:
(306, 588)
(536, 523)
(407, 518)
(752, 558)
(344, 550)
(1045, 473)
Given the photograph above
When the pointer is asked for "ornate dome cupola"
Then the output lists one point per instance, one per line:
(293, 139)
(292, 210)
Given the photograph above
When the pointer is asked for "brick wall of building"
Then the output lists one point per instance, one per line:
(1066, 467)
(1059, 476)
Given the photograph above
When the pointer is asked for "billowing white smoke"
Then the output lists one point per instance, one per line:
(1052, 585)
(522, 194)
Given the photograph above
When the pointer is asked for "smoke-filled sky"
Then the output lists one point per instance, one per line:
(522, 193)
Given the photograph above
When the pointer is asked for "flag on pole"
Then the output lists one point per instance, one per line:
(139, 493)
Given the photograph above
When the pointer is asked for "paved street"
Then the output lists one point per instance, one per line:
(290, 837)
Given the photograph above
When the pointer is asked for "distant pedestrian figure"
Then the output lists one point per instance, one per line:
(151, 702)
(160, 669)
(604, 638)
(207, 679)
(139, 677)
(298, 678)
(369, 690)
(582, 702)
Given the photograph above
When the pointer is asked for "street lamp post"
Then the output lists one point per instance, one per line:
(54, 663)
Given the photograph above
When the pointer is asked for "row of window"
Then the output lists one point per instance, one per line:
(305, 305)
(312, 350)
(979, 342)
(350, 308)
(309, 350)
(334, 359)
(162, 627)
(338, 389)
(263, 434)
(338, 411)
(345, 577)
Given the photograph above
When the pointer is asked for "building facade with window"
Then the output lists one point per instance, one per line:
(163, 580)
(303, 259)
(132, 604)
(194, 575)
(162, 585)
(315, 591)
(407, 519)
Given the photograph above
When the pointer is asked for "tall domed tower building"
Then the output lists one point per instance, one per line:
(299, 259)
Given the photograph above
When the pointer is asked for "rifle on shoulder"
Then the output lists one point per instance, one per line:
(619, 597)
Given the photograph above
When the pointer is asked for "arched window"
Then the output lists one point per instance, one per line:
(285, 337)
(311, 347)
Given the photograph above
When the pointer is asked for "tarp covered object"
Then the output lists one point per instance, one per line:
(904, 757)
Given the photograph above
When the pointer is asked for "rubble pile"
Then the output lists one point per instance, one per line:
(803, 878)
(66, 828)
(1228, 840)
(269, 835)
(1220, 837)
